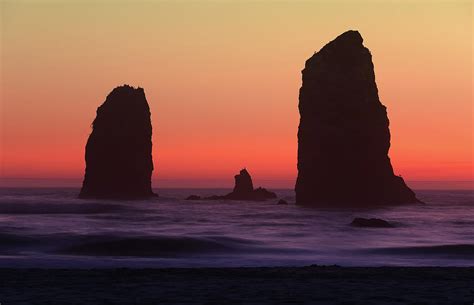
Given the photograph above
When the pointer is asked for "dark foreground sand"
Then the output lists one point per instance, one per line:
(305, 285)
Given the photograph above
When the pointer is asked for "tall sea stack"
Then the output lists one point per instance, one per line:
(119, 163)
(343, 136)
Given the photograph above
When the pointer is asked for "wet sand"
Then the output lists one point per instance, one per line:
(274, 285)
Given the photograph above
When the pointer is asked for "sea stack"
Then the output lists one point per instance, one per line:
(343, 136)
(118, 156)
(243, 189)
(243, 183)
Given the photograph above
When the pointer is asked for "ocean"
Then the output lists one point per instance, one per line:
(52, 228)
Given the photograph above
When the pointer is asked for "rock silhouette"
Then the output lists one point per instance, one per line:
(243, 183)
(343, 136)
(118, 155)
(371, 223)
(193, 197)
(243, 190)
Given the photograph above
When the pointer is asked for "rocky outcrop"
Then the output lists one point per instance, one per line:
(243, 190)
(343, 136)
(371, 223)
(243, 183)
(193, 197)
(118, 157)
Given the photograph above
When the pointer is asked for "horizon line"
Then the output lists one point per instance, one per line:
(218, 183)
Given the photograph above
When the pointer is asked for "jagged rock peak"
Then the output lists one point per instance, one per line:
(124, 90)
(351, 37)
(243, 182)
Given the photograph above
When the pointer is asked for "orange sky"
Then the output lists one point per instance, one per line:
(222, 80)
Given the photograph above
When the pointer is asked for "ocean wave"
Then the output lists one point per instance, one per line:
(154, 246)
(457, 250)
(463, 222)
(8, 240)
(59, 208)
(271, 224)
(123, 244)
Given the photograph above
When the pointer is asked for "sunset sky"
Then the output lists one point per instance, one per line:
(222, 80)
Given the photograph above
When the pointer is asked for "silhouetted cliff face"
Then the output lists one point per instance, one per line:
(118, 152)
(343, 136)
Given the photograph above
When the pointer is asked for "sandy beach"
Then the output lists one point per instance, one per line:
(285, 285)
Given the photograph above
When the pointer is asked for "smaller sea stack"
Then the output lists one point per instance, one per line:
(243, 183)
(243, 190)
(118, 156)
